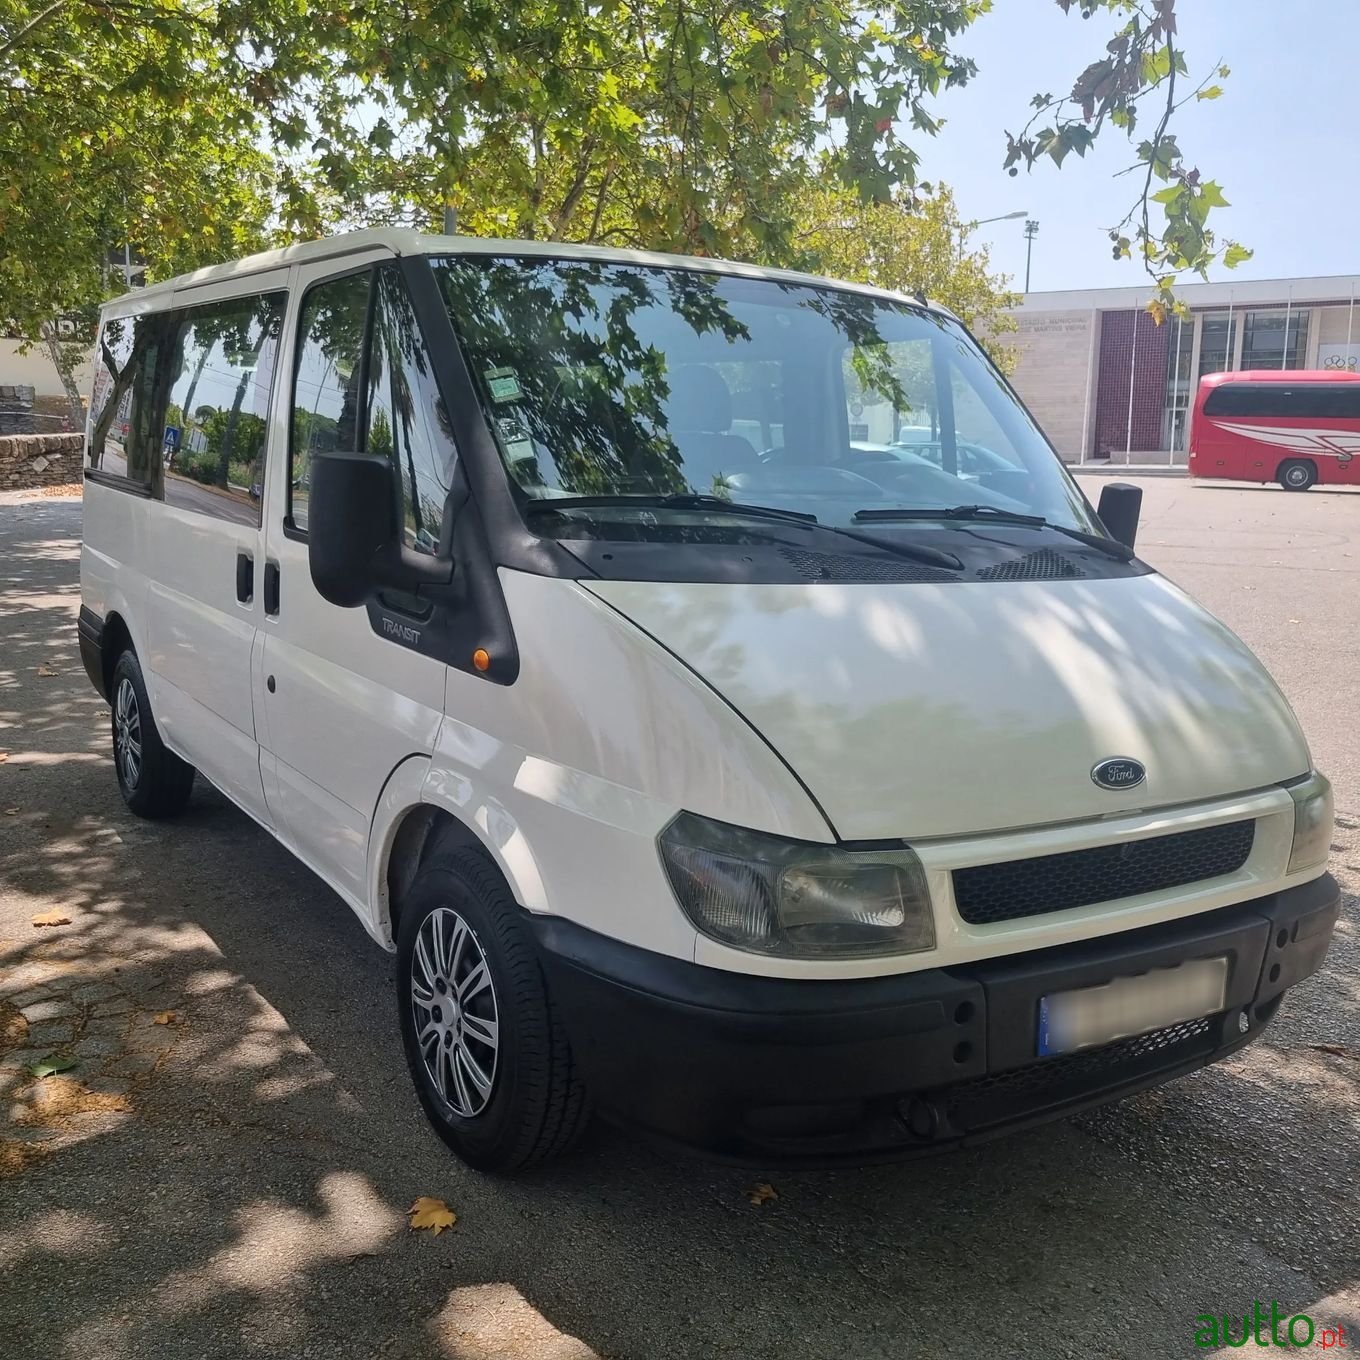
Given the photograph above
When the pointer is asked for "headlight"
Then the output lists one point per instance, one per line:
(799, 900)
(1313, 813)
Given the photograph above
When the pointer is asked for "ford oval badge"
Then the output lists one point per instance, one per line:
(1119, 772)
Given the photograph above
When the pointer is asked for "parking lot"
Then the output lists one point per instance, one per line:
(234, 1180)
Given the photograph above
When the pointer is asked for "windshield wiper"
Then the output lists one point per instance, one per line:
(694, 500)
(1109, 546)
(680, 500)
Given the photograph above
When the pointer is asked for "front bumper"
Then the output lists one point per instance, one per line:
(756, 1068)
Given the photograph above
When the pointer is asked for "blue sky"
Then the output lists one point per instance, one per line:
(1282, 140)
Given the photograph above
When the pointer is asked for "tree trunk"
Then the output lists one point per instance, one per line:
(229, 434)
(62, 357)
(193, 387)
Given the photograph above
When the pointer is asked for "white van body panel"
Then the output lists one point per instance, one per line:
(199, 639)
(569, 775)
(346, 706)
(111, 580)
(922, 711)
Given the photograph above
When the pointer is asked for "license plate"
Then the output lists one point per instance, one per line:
(1131, 1005)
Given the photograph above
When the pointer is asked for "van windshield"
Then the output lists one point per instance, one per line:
(619, 393)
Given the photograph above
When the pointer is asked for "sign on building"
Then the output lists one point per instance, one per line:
(1340, 357)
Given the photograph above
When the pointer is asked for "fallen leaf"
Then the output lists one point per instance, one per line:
(4, 756)
(50, 1064)
(759, 1194)
(164, 1018)
(47, 670)
(428, 1212)
(13, 812)
(1293, 620)
(55, 917)
(1336, 1050)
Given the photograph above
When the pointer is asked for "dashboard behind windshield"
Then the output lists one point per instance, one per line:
(625, 385)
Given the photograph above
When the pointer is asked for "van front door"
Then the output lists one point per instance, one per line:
(205, 544)
(344, 706)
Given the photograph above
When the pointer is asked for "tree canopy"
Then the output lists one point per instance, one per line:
(194, 130)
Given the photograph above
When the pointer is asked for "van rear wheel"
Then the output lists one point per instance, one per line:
(1297, 475)
(487, 1053)
(153, 780)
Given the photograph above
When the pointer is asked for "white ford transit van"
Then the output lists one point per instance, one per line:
(706, 679)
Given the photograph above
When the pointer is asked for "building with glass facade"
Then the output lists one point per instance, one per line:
(1106, 382)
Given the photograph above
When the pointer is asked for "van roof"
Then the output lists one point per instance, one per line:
(402, 241)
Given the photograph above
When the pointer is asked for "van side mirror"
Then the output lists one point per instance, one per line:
(1120, 504)
(353, 539)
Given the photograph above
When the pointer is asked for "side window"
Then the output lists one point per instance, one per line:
(326, 405)
(406, 417)
(136, 359)
(216, 418)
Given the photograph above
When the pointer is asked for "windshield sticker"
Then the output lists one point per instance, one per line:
(503, 384)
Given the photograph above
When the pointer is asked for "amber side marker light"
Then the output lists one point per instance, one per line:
(481, 658)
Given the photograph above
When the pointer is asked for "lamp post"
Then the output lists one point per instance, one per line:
(1031, 231)
(966, 227)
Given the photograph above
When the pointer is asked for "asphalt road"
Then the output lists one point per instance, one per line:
(242, 1188)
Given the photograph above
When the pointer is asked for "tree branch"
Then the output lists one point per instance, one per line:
(36, 21)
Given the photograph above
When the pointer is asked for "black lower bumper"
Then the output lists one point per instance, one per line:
(90, 632)
(752, 1068)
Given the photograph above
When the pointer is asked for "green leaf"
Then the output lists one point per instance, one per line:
(1212, 92)
(1211, 195)
(51, 1064)
(1168, 195)
(1235, 255)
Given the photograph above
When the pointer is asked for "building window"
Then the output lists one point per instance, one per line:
(1274, 339)
(1218, 337)
(1180, 345)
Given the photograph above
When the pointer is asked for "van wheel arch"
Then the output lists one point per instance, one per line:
(424, 831)
(116, 640)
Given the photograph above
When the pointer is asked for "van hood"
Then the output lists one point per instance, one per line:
(939, 710)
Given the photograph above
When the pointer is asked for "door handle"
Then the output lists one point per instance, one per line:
(245, 577)
(271, 587)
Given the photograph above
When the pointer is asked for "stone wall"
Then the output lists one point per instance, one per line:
(30, 460)
(1053, 373)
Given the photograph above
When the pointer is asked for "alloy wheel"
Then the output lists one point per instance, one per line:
(127, 733)
(453, 1002)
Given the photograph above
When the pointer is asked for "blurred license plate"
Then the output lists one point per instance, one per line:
(1131, 1005)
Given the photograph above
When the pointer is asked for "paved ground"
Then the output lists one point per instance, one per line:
(234, 1181)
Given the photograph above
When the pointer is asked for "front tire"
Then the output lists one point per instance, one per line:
(489, 1058)
(1297, 475)
(153, 780)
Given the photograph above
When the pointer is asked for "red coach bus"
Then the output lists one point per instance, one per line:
(1275, 425)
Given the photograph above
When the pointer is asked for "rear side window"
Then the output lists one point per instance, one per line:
(216, 415)
(181, 401)
(130, 390)
(1315, 401)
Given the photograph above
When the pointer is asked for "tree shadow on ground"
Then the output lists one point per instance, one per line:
(254, 1201)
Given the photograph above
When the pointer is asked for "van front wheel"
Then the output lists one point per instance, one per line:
(490, 1060)
(153, 780)
(1297, 475)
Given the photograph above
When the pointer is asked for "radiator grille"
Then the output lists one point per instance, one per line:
(987, 893)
